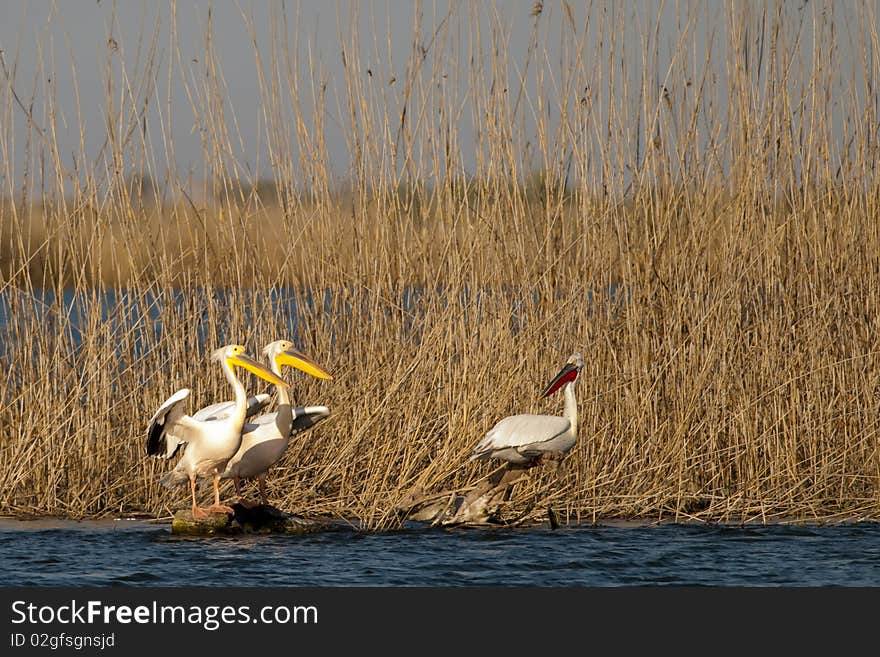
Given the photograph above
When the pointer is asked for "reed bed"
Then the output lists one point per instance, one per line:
(700, 218)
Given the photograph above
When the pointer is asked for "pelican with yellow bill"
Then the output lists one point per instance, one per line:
(265, 438)
(210, 442)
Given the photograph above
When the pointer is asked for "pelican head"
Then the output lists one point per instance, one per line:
(282, 352)
(568, 374)
(234, 356)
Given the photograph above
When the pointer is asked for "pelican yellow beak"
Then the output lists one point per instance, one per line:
(302, 362)
(260, 370)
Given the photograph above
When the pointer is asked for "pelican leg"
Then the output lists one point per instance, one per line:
(216, 507)
(264, 497)
(246, 503)
(197, 511)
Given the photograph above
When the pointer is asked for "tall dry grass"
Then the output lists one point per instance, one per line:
(699, 217)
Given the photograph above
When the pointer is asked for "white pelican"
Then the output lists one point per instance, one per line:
(264, 439)
(524, 439)
(209, 443)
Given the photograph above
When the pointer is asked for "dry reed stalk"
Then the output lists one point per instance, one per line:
(698, 218)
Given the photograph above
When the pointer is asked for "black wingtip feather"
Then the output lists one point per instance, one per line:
(156, 444)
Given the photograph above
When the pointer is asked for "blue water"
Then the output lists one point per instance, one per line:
(136, 553)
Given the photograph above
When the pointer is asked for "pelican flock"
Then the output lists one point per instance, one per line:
(525, 439)
(237, 440)
(264, 439)
(212, 438)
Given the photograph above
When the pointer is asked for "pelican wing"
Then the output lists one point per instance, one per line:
(222, 410)
(259, 421)
(170, 427)
(519, 430)
(305, 417)
(160, 442)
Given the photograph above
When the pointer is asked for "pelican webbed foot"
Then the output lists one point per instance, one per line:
(220, 508)
(199, 513)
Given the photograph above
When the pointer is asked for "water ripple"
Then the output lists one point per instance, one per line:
(148, 555)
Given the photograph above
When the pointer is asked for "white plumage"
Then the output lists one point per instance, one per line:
(207, 444)
(265, 438)
(220, 410)
(524, 439)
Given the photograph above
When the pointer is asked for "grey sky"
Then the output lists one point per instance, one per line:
(49, 44)
(71, 40)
